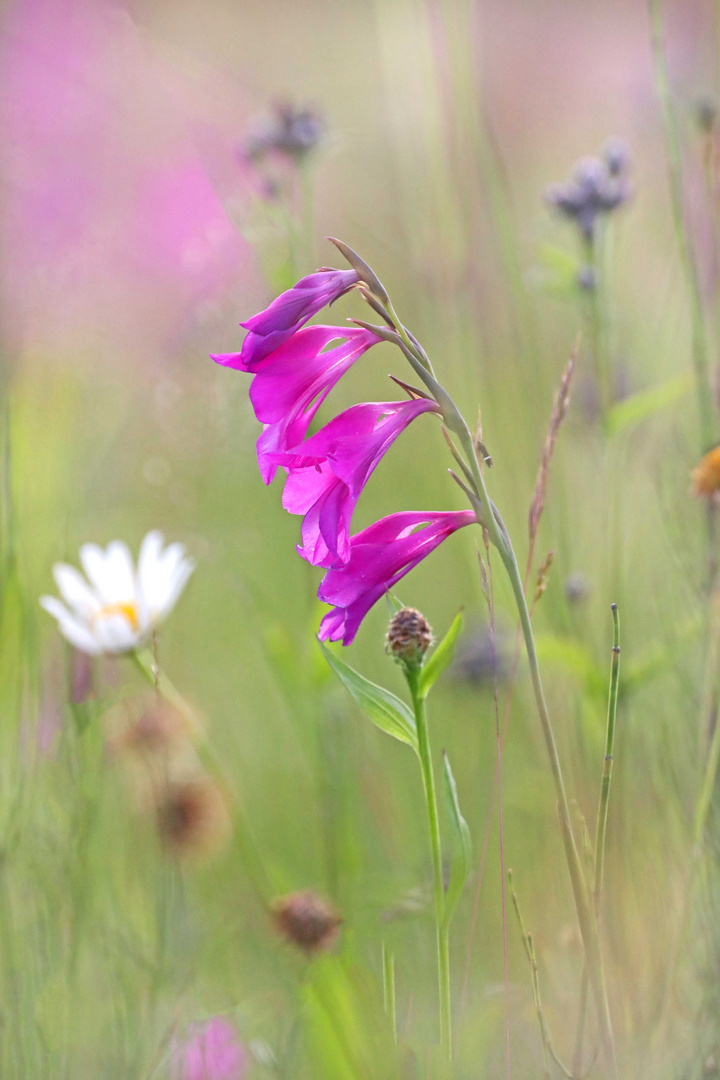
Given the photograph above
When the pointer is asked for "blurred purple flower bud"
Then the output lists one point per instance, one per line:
(290, 131)
(616, 155)
(596, 187)
(587, 278)
(577, 588)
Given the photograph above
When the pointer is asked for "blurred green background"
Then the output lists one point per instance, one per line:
(445, 122)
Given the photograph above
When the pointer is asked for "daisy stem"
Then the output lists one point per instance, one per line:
(146, 664)
(443, 950)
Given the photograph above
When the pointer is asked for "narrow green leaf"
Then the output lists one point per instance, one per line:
(442, 657)
(462, 843)
(638, 407)
(385, 710)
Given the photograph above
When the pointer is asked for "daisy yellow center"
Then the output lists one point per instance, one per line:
(128, 611)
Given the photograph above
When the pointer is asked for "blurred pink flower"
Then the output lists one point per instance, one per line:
(330, 469)
(213, 1051)
(379, 556)
(109, 224)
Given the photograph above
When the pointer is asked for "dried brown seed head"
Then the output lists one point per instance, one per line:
(192, 817)
(307, 920)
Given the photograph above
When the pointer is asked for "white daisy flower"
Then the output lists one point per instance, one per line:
(118, 606)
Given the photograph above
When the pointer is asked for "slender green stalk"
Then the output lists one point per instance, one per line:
(601, 828)
(388, 962)
(489, 517)
(608, 763)
(596, 323)
(530, 954)
(443, 949)
(699, 336)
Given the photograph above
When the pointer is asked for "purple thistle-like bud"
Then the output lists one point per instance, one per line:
(379, 557)
(409, 637)
(328, 472)
(597, 186)
(271, 328)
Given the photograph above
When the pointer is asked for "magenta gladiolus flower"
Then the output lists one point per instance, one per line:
(379, 556)
(291, 384)
(330, 469)
(213, 1052)
(272, 327)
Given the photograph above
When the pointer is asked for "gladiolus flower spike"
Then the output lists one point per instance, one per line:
(294, 367)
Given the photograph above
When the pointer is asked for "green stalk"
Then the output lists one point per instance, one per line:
(529, 948)
(489, 518)
(443, 948)
(608, 763)
(602, 817)
(699, 338)
(388, 962)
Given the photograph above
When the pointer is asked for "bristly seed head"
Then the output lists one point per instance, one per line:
(409, 637)
(306, 920)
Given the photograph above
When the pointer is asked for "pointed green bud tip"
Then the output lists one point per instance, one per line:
(409, 637)
(364, 272)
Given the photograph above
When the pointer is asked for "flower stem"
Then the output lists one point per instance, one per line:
(602, 817)
(388, 961)
(489, 517)
(586, 919)
(443, 950)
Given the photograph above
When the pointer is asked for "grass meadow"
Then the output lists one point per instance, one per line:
(140, 225)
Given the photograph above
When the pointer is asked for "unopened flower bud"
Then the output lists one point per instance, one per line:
(306, 920)
(409, 637)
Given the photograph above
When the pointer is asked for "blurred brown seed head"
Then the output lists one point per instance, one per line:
(147, 726)
(409, 636)
(706, 477)
(307, 920)
(192, 817)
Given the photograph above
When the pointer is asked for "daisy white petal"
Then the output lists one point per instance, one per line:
(75, 590)
(70, 627)
(177, 584)
(92, 558)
